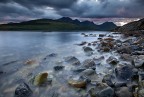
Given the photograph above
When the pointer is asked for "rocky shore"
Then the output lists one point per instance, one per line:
(121, 59)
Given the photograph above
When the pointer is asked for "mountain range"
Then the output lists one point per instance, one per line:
(62, 24)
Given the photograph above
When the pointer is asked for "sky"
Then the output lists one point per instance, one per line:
(118, 11)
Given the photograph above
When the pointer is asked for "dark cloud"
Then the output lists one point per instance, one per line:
(72, 8)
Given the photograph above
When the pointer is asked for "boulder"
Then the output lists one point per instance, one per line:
(123, 72)
(40, 78)
(112, 60)
(77, 82)
(58, 68)
(124, 92)
(89, 63)
(72, 60)
(23, 90)
(87, 49)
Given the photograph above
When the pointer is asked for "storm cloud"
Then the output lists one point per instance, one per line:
(18, 10)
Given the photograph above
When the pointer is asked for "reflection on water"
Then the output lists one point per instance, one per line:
(17, 47)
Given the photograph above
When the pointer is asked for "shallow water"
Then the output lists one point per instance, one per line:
(17, 47)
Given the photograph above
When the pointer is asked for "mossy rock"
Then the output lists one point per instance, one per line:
(77, 83)
(40, 78)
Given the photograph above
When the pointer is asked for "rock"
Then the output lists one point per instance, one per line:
(82, 43)
(108, 80)
(40, 78)
(124, 49)
(87, 49)
(30, 62)
(77, 82)
(89, 63)
(23, 90)
(101, 35)
(50, 56)
(108, 39)
(88, 72)
(72, 60)
(141, 93)
(139, 63)
(107, 92)
(138, 53)
(123, 72)
(123, 92)
(57, 68)
(105, 49)
(78, 70)
(120, 84)
(112, 60)
(127, 57)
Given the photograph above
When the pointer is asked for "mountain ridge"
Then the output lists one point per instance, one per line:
(62, 24)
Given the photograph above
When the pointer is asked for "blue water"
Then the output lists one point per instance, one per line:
(17, 47)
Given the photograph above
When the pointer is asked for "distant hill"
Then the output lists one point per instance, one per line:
(62, 24)
(132, 26)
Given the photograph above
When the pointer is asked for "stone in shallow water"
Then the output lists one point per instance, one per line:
(112, 60)
(40, 78)
(72, 60)
(77, 82)
(89, 63)
(23, 90)
(107, 92)
(87, 49)
(58, 68)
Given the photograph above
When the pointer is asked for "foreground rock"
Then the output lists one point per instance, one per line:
(112, 60)
(87, 49)
(40, 78)
(124, 92)
(89, 63)
(77, 82)
(72, 60)
(23, 90)
(101, 90)
(123, 72)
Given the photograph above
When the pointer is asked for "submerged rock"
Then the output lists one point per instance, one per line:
(57, 68)
(72, 60)
(40, 78)
(87, 49)
(77, 82)
(23, 90)
(107, 92)
(112, 60)
(89, 63)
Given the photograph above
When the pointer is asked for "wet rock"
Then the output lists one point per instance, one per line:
(72, 60)
(57, 68)
(138, 53)
(30, 62)
(1, 72)
(108, 80)
(120, 84)
(52, 55)
(77, 82)
(78, 70)
(82, 43)
(107, 92)
(88, 72)
(139, 63)
(89, 44)
(105, 49)
(124, 49)
(123, 72)
(124, 92)
(40, 78)
(89, 63)
(101, 35)
(108, 39)
(127, 57)
(23, 90)
(87, 49)
(112, 60)
(98, 58)
(141, 93)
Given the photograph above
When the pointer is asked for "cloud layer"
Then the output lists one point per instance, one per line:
(17, 10)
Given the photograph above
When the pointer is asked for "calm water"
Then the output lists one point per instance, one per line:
(17, 47)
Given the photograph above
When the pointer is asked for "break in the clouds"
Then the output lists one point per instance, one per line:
(19, 10)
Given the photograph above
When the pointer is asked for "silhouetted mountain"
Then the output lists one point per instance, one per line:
(62, 24)
(107, 26)
(132, 26)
